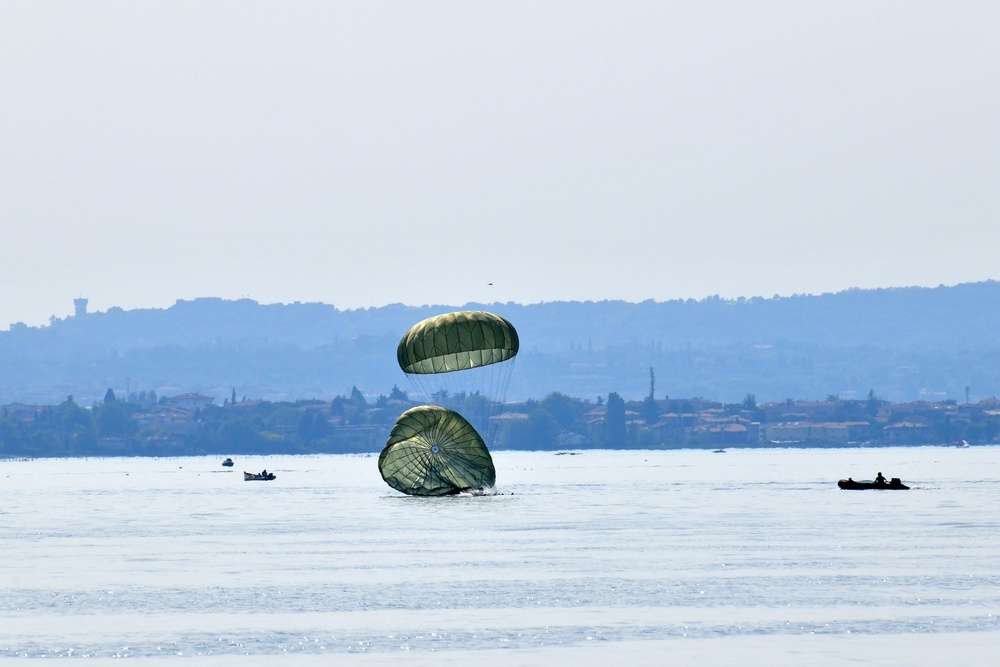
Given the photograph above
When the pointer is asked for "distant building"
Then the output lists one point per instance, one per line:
(81, 306)
(907, 432)
(190, 402)
(840, 433)
(170, 419)
(789, 411)
(21, 412)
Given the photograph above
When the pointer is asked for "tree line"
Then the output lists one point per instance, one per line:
(351, 424)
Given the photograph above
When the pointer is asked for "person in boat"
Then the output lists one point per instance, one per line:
(264, 474)
(879, 479)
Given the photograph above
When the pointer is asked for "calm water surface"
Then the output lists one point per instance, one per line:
(681, 557)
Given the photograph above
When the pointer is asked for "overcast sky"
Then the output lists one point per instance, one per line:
(366, 153)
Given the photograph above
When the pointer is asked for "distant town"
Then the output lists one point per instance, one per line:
(143, 424)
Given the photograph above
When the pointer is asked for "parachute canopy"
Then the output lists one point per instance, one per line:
(456, 341)
(434, 451)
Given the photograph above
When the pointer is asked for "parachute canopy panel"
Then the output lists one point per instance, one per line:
(456, 341)
(434, 451)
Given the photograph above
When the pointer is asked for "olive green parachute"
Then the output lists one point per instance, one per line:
(434, 451)
(456, 341)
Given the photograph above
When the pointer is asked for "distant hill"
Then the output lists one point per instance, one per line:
(902, 343)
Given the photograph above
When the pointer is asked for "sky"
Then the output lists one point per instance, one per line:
(367, 153)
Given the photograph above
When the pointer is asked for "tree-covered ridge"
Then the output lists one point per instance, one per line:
(191, 424)
(909, 343)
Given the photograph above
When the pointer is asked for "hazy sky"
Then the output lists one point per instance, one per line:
(365, 153)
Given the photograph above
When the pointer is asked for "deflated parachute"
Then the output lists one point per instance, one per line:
(434, 451)
(456, 341)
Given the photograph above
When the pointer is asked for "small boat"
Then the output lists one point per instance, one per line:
(962, 444)
(893, 485)
(228, 463)
(257, 476)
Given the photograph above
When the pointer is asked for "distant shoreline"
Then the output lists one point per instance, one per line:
(572, 452)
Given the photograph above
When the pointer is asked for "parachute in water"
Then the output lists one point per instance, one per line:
(434, 451)
(464, 360)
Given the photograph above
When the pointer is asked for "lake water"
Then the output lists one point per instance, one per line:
(677, 557)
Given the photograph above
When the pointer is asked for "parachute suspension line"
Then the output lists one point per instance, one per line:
(506, 385)
(498, 392)
(479, 394)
